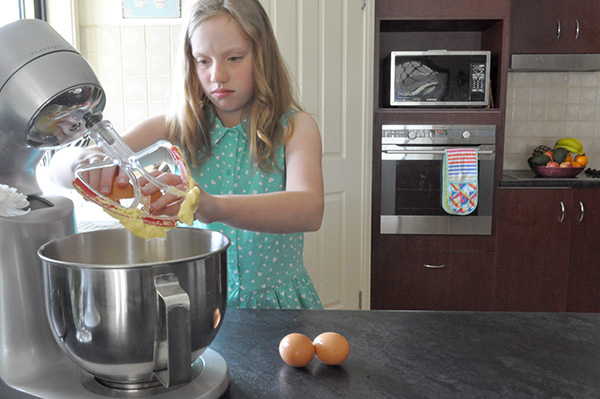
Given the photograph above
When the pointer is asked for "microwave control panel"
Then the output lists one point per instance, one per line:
(477, 78)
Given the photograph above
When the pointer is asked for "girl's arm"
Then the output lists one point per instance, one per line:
(298, 208)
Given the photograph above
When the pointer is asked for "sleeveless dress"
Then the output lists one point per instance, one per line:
(264, 271)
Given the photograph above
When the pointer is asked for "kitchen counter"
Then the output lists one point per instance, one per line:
(526, 178)
(413, 354)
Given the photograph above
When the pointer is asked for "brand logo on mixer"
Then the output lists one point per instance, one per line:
(44, 49)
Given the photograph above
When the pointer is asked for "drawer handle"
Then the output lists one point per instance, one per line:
(434, 266)
(558, 29)
(562, 212)
(577, 30)
(582, 211)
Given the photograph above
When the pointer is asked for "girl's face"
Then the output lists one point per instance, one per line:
(224, 64)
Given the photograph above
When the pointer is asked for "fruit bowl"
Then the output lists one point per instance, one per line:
(556, 172)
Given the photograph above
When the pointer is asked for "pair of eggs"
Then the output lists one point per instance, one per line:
(298, 350)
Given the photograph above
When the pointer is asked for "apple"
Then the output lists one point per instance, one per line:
(566, 164)
(550, 153)
(552, 164)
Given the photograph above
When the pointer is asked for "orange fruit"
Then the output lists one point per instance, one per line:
(569, 158)
(576, 164)
(581, 159)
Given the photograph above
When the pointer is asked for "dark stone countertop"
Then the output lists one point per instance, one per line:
(528, 179)
(414, 354)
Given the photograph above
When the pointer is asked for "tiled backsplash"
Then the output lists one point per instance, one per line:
(542, 107)
(134, 65)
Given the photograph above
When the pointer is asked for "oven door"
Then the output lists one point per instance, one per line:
(411, 192)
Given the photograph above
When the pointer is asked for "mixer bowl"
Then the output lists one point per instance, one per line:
(133, 312)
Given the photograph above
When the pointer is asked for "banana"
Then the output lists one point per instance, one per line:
(570, 144)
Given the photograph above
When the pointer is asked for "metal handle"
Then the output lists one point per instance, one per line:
(582, 209)
(435, 152)
(433, 266)
(577, 30)
(558, 29)
(562, 212)
(173, 336)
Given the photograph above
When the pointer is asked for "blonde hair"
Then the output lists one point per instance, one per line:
(190, 121)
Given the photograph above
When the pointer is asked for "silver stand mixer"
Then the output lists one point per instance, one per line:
(46, 88)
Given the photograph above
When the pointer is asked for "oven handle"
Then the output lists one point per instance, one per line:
(436, 152)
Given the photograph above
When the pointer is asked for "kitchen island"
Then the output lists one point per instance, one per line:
(413, 354)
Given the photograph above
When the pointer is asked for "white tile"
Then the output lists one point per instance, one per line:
(109, 64)
(522, 95)
(556, 94)
(588, 112)
(158, 107)
(159, 88)
(159, 63)
(589, 94)
(109, 38)
(158, 37)
(135, 89)
(521, 112)
(539, 95)
(573, 95)
(555, 112)
(572, 112)
(134, 63)
(113, 87)
(88, 39)
(135, 112)
(133, 38)
(538, 112)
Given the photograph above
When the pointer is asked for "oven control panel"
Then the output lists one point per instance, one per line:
(413, 133)
(438, 134)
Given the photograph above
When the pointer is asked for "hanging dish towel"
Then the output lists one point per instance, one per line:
(459, 181)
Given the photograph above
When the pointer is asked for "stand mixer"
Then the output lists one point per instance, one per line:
(40, 73)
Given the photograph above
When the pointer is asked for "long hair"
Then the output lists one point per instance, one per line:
(190, 121)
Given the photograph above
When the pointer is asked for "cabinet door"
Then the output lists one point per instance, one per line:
(582, 27)
(435, 281)
(533, 238)
(583, 290)
(555, 26)
(535, 26)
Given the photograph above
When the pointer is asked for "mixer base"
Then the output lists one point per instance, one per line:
(63, 381)
(211, 379)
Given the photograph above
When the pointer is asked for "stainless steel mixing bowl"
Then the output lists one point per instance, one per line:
(133, 312)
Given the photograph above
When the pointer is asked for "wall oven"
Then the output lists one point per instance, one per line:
(411, 178)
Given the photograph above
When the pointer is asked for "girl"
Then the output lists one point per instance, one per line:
(255, 155)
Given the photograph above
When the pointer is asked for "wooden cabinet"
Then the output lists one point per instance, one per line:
(583, 288)
(546, 259)
(532, 259)
(441, 8)
(399, 279)
(423, 280)
(555, 26)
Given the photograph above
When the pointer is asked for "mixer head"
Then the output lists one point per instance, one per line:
(46, 87)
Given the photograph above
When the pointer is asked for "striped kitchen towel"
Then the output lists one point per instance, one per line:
(459, 181)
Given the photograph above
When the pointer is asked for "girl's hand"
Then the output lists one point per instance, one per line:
(167, 204)
(64, 163)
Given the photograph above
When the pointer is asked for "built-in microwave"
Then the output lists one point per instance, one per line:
(440, 78)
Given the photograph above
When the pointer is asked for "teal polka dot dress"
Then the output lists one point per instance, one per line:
(264, 271)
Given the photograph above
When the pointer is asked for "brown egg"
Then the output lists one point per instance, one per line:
(118, 192)
(296, 349)
(331, 348)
